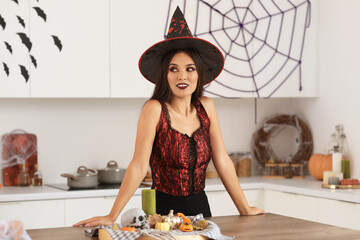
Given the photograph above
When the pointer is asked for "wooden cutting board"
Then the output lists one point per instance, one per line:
(18, 144)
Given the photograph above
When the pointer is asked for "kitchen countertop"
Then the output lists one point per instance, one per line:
(308, 186)
(263, 227)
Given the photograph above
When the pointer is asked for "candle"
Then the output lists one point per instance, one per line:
(345, 168)
(326, 175)
(334, 181)
(148, 197)
(336, 162)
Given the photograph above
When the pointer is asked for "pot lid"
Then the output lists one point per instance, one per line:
(83, 171)
(112, 166)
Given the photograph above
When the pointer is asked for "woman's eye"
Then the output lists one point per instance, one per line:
(172, 69)
(190, 69)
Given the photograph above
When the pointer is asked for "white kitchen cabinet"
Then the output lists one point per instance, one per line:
(221, 203)
(81, 67)
(134, 27)
(339, 213)
(34, 214)
(13, 53)
(83, 208)
(291, 205)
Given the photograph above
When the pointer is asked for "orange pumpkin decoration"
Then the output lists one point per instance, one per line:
(187, 225)
(128, 229)
(319, 163)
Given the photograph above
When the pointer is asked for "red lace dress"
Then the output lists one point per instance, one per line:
(178, 161)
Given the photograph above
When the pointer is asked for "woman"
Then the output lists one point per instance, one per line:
(178, 131)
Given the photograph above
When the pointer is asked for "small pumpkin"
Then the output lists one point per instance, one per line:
(187, 225)
(128, 229)
(319, 163)
(163, 226)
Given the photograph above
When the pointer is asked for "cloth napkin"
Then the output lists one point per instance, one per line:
(212, 231)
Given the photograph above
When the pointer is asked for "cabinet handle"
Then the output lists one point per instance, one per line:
(110, 198)
(10, 203)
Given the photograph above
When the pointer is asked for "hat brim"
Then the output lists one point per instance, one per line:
(150, 61)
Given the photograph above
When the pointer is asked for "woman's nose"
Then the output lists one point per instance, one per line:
(182, 75)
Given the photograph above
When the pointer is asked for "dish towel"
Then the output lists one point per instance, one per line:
(212, 232)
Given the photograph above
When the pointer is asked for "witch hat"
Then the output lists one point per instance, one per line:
(179, 37)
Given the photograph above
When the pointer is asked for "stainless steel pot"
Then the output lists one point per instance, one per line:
(84, 178)
(112, 174)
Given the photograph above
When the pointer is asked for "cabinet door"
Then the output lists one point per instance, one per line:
(339, 213)
(71, 48)
(134, 29)
(14, 52)
(291, 205)
(221, 203)
(83, 208)
(34, 214)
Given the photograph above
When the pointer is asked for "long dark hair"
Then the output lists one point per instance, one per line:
(162, 91)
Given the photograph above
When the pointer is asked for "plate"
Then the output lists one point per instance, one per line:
(341, 186)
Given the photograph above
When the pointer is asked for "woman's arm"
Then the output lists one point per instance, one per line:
(224, 164)
(136, 171)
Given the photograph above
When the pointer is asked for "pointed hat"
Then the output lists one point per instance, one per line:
(179, 37)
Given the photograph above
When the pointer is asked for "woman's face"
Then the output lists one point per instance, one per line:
(182, 75)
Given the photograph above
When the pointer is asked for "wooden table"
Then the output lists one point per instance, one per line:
(264, 227)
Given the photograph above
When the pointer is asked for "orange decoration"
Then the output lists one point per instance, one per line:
(319, 163)
(187, 225)
(128, 229)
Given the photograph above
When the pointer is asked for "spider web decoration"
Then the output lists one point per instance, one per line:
(262, 42)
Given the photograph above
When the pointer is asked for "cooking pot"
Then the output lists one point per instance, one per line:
(112, 174)
(84, 178)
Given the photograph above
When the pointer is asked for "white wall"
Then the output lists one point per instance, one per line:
(339, 78)
(90, 132)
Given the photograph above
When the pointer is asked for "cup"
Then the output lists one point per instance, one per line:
(148, 199)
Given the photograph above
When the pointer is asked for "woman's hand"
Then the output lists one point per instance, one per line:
(95, 221)
(253, 211)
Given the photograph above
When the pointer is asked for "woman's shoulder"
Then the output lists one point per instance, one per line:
(208, 104)
(152, 108)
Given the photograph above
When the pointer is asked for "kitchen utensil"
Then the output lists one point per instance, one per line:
(84, 178)
(112, 174)
(18, 148)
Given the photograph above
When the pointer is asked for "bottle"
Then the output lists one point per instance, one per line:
(336, 160)
(37, 179)
(344, 149)
(23, 176)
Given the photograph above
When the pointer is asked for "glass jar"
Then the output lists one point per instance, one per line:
(242, 162)
(37, 179)
(270, 169)
(283, 169)
(23, 176)
(297, 170)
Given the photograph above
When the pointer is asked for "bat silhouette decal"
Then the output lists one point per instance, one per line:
(8, 47)
(24, 72)
(33, 60)
(21, 21)
(6, 69)
(2, 22)
(57, 42)
(13, 45)
(40, 12)
(25, 40)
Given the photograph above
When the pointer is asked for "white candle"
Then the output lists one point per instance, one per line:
(326, 175)
(336, 162)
